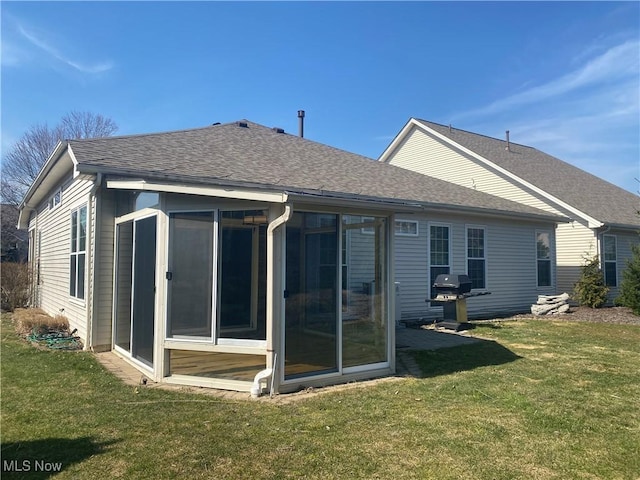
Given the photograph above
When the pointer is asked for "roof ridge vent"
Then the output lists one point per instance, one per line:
(278, 129)
(242, 124)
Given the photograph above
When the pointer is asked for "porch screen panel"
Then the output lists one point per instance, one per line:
(242, 274)
(144, 290)
(311, 308)
(364, 312)
(124, 275)
(190, 275)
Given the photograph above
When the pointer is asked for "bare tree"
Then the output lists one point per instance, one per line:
(23, 162)
(87, 125)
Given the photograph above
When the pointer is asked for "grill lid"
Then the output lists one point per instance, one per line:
(452, 283)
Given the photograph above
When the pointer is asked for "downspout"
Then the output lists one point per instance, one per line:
(269, 372)
(93, 231)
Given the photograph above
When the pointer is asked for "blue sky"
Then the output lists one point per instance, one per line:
(562, 77)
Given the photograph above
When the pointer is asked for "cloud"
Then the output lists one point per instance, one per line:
(50, 49)
(589, 117)
(617, 63)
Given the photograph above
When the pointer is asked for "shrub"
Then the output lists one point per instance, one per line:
(630, 287)
(590, 290)
(14, 279)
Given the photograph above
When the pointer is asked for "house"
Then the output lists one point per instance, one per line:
(605, 219)
(237, 256)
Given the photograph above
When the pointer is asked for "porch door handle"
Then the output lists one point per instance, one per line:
(169, 275)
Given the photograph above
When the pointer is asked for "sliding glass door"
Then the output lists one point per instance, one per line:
(311, 322)
(328, 330)
(135, 288)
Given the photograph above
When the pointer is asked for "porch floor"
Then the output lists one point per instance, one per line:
(406, 339)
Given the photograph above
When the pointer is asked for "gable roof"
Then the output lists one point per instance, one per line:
(246, 154)
(591, 195)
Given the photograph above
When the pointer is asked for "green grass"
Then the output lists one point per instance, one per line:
(538, 400)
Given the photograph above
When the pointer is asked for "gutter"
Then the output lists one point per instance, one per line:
(270, 370)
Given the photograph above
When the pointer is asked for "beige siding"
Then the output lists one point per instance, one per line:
(103, 304)
(54, 227)
(576, 242)
(425, 154)
(511, 266)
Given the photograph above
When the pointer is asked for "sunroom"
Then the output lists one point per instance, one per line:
(260, 293)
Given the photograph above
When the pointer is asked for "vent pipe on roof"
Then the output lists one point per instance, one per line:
(449, 129)
(508, 148)
(301, 123)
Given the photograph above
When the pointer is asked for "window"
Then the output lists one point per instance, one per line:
(407, 228)
(439, 253)
(610, 262)
(476, 259)
(543, 256)
(55, 199)
(77, 257)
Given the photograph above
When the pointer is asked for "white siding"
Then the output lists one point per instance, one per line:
(54, 226)
(511, 266)
(425, 154)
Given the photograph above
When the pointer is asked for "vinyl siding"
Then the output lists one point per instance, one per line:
(576, 242)
(423, 153)
(511, 266)
(102, 314)
(625, 239)
(54, 227)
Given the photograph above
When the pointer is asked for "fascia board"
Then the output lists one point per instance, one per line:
(235, 193)
(593, 223)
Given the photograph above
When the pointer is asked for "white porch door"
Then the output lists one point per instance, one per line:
(135, 288)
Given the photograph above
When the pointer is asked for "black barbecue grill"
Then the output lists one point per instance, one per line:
(452, 291)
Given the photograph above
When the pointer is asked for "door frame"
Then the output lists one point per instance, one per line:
(133, 218)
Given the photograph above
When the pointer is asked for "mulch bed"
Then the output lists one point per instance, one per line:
(620, 315)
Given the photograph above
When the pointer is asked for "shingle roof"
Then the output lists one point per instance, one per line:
(591, 195)
(258, 156)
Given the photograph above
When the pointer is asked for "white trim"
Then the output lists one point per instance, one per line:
(74, 297)
(485, 251)
(51, 203)
(604, 261)
(550, 260)
(235, 193)
(258, 348)
(449, 253)
(405, 234)
(221, 384)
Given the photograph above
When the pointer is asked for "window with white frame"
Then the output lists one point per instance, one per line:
(439, 252)
(610, 260)
(476, 257)
(543, 257)
(78, 254)
(407, 228)
(55, 199)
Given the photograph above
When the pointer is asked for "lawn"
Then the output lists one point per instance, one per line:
(537, 399)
